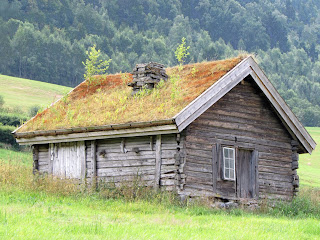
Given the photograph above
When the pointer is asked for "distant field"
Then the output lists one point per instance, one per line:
(23, 93)
(309, 165)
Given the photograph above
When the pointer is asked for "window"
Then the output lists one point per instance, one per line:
(229, 163)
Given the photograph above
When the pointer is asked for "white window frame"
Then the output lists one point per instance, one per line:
(230, 168)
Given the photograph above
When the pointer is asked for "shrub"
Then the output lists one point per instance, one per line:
(33, 110)
(7, 137)
(11, 119)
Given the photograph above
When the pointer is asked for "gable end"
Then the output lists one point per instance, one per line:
(246, 67)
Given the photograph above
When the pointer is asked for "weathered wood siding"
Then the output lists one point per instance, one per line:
(172, 149)
(67, 160)
(117, 160)
(242, 118)
(127, 159)
(43, 157)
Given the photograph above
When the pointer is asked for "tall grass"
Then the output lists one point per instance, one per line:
(16, 175)
(306, 204)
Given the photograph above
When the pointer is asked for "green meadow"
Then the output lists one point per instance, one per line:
(19, 93)
(35, 208)
(309, 165)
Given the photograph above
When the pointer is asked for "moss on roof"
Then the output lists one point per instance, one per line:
(110, 101)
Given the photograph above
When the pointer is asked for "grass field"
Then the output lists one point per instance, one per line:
(39, 216)
(309, 165)
(23, 93)
(33, 210)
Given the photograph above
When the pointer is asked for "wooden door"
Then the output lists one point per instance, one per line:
(246, 173)
(68, 159)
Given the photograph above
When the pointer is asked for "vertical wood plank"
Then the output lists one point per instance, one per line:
(50, 159)
(214, 167)
(158, 162)
(63, 161)
(94, 163)
(151, 143)
(35, 150)
(82, 155)
(68, 164)
(219, 162)
(255, 173)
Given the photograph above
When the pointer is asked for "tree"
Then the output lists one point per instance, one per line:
(94, 65)
(182, 51)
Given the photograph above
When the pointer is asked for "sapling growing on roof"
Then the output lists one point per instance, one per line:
(94, 65)
(182, 52)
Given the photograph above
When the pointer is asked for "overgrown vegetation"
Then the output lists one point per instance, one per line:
(111, 102)
(40, 207)
(306, 205)
(94, 65)
(182, 52)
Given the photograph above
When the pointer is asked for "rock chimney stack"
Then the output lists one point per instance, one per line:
(147, 75)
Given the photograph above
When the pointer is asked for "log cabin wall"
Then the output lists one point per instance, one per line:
(126, 159)
(117, 160)
(41, 158)
(242, 118)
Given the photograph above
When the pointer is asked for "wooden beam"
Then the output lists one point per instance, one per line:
(158, 163)
(132, 132)
(255, 173)
(35, 150)
(214, 167)
(82, 158)
(50, 158)
(94, 163)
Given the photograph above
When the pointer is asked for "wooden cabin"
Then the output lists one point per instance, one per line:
(216, 129)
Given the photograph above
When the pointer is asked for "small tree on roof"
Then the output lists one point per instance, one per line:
(94, 65)
(182, 51)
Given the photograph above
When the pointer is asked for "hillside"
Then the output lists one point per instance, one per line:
(47, 40)
(22, 94)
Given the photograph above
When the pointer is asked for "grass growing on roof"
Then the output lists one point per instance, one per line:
(110, 102)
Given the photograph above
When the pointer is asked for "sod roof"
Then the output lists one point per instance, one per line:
(108, 100)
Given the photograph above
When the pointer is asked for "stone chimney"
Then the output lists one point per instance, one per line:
(147, 75)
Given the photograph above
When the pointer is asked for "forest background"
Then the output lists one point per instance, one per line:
(47, 40)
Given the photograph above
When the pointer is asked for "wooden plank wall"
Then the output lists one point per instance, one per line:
(243, 117)
(43, 158)
(121, 160)
(68, 159)
(172, 161)
(118, 160)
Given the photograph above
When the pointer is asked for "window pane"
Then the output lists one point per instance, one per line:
(226, 163)
(230, 153)
(232, 163)
(231, 174)
(226, 152)
(226, 173)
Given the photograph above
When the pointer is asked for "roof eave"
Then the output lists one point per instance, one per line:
(97, 132)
